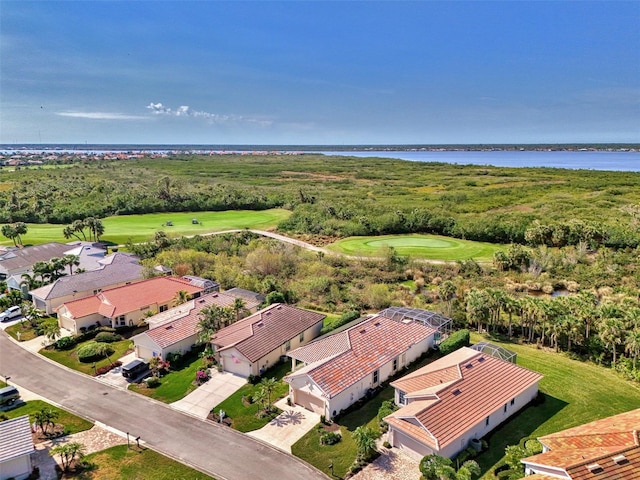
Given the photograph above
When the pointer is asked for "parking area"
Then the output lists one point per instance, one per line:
(219, 387)
(288, 427)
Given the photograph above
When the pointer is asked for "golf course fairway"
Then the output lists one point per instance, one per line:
(140, 228)
(430, 247)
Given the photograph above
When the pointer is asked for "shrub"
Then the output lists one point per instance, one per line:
(152, 382)
(93, 351)
(107, 368)
(330, 438)
(455, 341)
(107, 337)
(64, 343)
(387, 408)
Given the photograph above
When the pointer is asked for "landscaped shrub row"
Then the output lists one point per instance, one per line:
(66, 343)
(108, 368)
(455, 341)
(107, 337)
(330, 438)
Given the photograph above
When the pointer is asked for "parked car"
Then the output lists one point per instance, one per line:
(135, 368)
(10, 313)
(8, 395)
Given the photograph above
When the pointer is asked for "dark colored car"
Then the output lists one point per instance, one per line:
(135, 368)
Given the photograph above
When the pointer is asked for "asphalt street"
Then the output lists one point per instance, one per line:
(218, 451)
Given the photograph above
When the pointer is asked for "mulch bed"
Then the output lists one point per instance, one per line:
(214, 417)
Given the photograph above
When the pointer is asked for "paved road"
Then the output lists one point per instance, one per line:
(218, 451)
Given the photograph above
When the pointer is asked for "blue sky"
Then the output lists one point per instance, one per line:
(310, 72)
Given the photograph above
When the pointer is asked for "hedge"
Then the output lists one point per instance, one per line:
(455, 341)
(94, 351)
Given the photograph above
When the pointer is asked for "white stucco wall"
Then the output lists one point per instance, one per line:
(18, 468)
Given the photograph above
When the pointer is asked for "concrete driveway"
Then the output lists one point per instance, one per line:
(220, 386)
(288, 427)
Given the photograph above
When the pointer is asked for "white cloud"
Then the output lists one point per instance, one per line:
(186, 111)
(102, 115)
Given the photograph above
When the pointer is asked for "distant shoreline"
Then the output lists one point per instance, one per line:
(185, 148)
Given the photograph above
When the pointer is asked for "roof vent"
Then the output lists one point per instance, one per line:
(260, 324)
(168, 327)
(279, 307)
(363, 331)
(457, 391)
(620, 459)
(215, 295)
(594, 468)
(407, 321)
(377, 324)
(468, 365)
(201, 300)
(481, 359)
(267, 313)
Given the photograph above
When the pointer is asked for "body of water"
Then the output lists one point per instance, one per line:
(590, 160)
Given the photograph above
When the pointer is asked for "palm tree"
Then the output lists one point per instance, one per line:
(51, 330)
(45, 419)
(68, 452)
(21, 229)
(610, 331)
(268, 385)
(30, 281)
(476, 306)
(632, 344)
(71, 261)
(10, 232)
(181, 297)
(239, 308)
(447, 292)
(365, 439)
(430, 464)
(212, 319)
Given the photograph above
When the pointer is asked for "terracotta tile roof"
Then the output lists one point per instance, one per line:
(483, 386)
(15, 438)
(371, 344)
(127, 298)
(266, 330)
(183, 320)
(604, 449)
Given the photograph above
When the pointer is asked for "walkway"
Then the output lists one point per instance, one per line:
(288, 427)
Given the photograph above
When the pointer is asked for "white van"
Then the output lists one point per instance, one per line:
(11, 313)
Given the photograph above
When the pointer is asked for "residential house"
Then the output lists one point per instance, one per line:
(176, 330)
(252, 345)
(455, 400)
(16, 446)
(16, 261)
(127, 305)
(114, 270)
(248, 296)
(604, 449)
(340, 369)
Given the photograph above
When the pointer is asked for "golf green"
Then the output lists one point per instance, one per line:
(431, 247)
(139, 228)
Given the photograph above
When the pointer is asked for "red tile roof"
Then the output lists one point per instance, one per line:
(458, 396)
(127, 298)
(185, 319)
(340, 360)
(264, 331)
(604, 449)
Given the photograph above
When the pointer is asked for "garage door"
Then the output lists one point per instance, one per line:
(309, 402)
(237, 367)
(67, 323)
(410, 446)
(144, 352)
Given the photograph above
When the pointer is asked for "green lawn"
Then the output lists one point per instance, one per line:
(174, 385)
(575, 393)
(72, 423)
(121, 463)
(69, 358)
(244, 418)
(140, 228)
(27, 332)
(431, 247)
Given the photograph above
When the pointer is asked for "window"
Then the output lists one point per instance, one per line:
(513, 401)
(301, 338)
(164, 308)
(395, 364)
(486, 422)
(375, 376)
(401, 399)
(287, 346)
(505, 408)
(121, 321)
